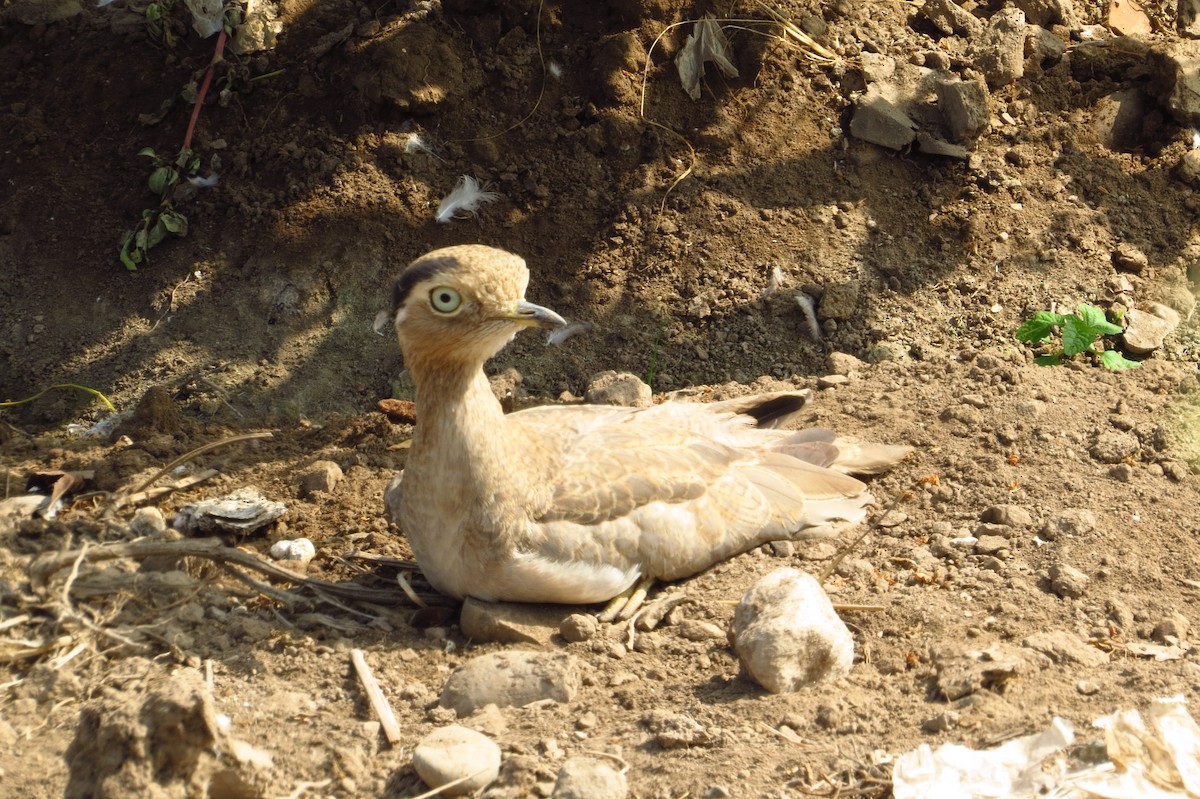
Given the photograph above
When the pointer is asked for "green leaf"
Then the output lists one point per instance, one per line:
(1096, 320)
(148, 151)
(156, 234)
(129, 256)
(175, 222)
(1116, 361)
(1077, 335)
(1048, 360)
(162, 179)
(1040, 326)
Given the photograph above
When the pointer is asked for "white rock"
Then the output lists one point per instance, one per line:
(589, 778)
(787, 634)
(148, 522)
(453, 753)
(300, 549)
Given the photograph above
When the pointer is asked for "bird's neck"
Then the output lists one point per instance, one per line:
(460, 422)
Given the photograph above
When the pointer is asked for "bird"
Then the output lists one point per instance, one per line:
(585, 504)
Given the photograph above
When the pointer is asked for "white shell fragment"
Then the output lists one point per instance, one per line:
(788, 635)
(243, 511)
(299, 549)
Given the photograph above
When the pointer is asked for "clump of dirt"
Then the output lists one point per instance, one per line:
(1047, 516)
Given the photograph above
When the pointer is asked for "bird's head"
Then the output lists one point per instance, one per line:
(461, 305)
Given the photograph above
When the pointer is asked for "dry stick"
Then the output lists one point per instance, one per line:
(870, 527)
(379, 702)
(46, 566)
(450, 784)
(187, 456)
(218, 56)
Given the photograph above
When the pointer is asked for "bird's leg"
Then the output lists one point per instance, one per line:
(623, 606)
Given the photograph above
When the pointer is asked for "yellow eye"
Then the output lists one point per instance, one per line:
(445, 299)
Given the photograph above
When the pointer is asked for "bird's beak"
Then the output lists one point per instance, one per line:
(527, 314)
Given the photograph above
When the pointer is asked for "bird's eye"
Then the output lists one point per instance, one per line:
(445, 299)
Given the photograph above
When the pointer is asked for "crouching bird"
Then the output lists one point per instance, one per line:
(581, 504)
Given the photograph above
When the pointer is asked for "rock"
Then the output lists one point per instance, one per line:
(589, 778)
(1115, 446)
(578, 627)
(962, 671)
(1175, 78)
(878, 120)
(1043, 48)
(1009, 515)
(1145, 332)
(155, 414)
(510, 678)
(1067, 581)
(840, 300)
(841, 363)
(931, 145)
(1049, 12)
(1065, 648)
(942, 722)
(676, 730)
(321, 476)
(1121, 472)
(1188, 18)
(452, 753)
(398, 411)
(619, 388)
(1071, 522)
(300, 550)
(787, 634)
(509, 622)
(992, 545)
(1171, 630)
(964, 106)
(148, 523)
(1126, 18)
(877, 67)
(1000, 53)
(1117, 121)
(1128, 258)
(242, 512)
(951, 18)
(158, 738)
(832, 381)
(698, 630)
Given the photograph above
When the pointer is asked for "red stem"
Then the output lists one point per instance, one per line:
(208, 73)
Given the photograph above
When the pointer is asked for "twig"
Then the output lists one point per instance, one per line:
(218, 56)
(42, 569)
(450, 784)
(379, 702)
(187, 456)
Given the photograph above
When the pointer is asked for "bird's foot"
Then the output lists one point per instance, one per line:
(623, 606)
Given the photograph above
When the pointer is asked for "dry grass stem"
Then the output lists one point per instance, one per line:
(379, 702)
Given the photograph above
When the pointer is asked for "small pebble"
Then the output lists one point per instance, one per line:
(301, 550)
(455, 752)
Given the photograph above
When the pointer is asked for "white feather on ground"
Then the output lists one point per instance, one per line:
(465, 199)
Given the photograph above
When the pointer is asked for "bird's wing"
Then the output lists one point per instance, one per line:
(676, 487)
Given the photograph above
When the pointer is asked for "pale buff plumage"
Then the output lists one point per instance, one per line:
(576, 504)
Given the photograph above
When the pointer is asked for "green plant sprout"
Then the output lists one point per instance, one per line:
(158, 222)
(1081, 332)
(168, 172)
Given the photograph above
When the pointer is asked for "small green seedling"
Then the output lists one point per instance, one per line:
(157, 223)
(1081, 332)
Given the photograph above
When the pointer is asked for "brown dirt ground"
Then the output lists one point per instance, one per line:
(261, 319)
